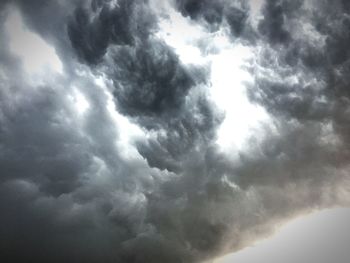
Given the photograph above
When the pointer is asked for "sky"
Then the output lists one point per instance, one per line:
(319, 237)
(137, 131)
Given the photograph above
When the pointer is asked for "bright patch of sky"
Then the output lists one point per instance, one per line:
(80, 102)
(36, 54)
(229, 80)
(228, 77)
(322, 237)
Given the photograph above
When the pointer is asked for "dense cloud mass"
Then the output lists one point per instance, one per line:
(215, 13)
(115, 157)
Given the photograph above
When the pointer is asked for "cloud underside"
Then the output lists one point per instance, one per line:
(72, 189)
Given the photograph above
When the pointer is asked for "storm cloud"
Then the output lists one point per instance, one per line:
(115, 157)
(216, 13)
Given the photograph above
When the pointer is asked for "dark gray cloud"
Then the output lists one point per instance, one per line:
(92, 29)
(215, 13)
(70, 192)
(311, 83)
(150, 80)
(193, 128)
(211, 12)
(272, 26)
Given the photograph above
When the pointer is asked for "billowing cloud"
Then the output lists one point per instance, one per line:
(93, 28)
(115, 157)
(215, 13)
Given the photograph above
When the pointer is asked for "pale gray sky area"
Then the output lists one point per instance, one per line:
(322, 237)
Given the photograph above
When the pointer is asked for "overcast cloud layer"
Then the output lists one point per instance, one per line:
(113, 156)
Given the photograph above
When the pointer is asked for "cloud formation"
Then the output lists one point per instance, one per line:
(214, 13)
(83, 184)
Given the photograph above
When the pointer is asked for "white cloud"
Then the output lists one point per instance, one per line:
(229, 79)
